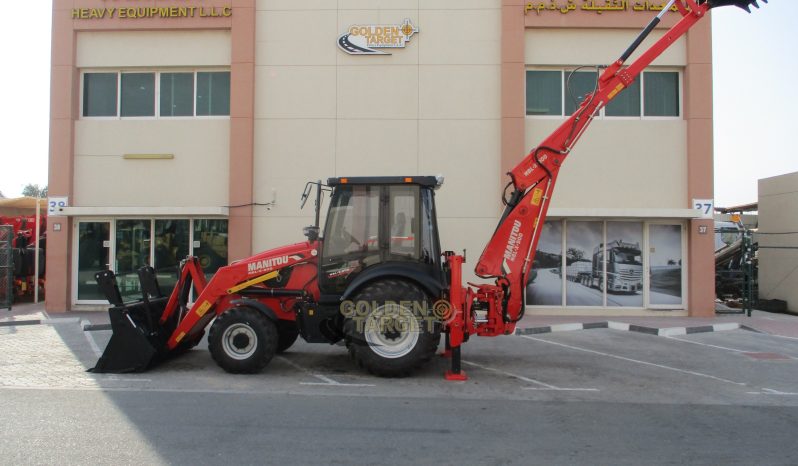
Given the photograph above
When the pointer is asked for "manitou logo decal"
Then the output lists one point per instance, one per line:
(514, 242)
(534, 165)
(267, 265)
(366, 39)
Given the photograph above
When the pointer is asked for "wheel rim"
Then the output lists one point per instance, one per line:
(391, 331)
(239, 341)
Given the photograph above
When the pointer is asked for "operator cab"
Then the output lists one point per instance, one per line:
(382, 225)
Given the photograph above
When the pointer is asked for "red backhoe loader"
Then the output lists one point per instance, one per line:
(378, 279)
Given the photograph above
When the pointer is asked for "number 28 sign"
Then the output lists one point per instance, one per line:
(55, 205)
(706, 207)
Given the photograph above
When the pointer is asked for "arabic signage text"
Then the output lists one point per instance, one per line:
(597, 6)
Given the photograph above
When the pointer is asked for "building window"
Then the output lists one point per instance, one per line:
(662, 94)
(543, 93)
(665, 271)
(581, 83)
(132, 252)
(137, 95)
(125, 245)
(213, 93)
(210, 244)
(177, 94)
(584, 264)
(171, 245)
(626, 103)
(99, 94)
(156, 94)
(608, 263)
(559, 92)
(544, 284)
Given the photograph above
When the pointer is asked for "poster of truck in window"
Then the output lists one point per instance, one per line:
(665, 257)
(624, 265)
(584, 283)
(586, 260)
(544, 286)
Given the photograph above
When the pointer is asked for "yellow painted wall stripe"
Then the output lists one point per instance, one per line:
(148, 156)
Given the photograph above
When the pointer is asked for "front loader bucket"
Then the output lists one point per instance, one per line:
(138, 340)
(135, 345)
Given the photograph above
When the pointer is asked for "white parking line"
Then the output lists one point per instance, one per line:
(510, 374)
(637, 361)
(93, 344)
(734, 350)
(770, 391)
(561, 389)
(326, 381)
(114, 379)
(543, 386)
(779, 336)
(726, 348)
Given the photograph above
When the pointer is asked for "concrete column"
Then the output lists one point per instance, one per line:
(242, 129)
(698, 114)
(64, 105)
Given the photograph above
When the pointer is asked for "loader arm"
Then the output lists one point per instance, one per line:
(219, 293)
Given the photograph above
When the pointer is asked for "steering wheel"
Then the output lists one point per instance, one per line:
(352, 238)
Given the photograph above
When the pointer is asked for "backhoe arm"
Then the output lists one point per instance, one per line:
(509, 254)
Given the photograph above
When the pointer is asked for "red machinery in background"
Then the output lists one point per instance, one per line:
(378, 279)
(24, 252)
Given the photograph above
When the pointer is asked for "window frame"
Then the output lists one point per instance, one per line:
(83, 93)
(112, 249)
(646, 252)
(601, 115)
(193, 94)
(157, 72)
(156, 95)
(196, 89)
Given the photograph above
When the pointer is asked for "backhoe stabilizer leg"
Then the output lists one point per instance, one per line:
(447, 348)
(456, 374)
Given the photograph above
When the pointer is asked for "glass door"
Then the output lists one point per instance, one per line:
(171, 238)
(94, 252)
(665, 263)
(132, 252)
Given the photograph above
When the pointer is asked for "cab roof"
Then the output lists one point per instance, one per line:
(425, 181)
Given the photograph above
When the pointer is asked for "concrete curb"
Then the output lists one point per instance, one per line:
(63, 320)
(89, 327)
(623, 326)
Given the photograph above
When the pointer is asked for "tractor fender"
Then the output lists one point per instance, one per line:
(412, 272)
(258, 306)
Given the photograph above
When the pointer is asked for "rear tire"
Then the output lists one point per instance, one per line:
(389, 338)
(242, 340)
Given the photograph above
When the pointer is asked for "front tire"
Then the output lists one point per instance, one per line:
(242, 340)
(391, 332)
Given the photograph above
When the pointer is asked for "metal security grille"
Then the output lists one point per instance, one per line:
(6, 267)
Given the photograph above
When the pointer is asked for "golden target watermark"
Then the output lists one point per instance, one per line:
(396, 316)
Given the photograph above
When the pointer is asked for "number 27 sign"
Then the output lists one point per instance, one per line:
(706, 207)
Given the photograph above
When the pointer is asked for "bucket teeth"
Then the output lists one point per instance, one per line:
(744, 4)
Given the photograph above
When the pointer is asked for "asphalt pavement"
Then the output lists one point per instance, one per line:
(575, 394)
